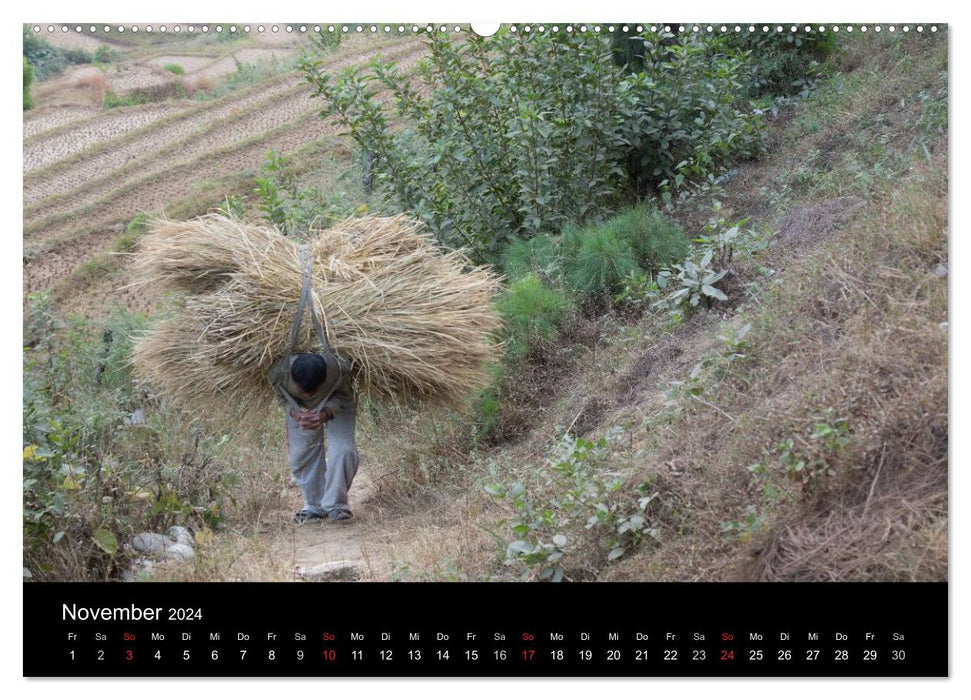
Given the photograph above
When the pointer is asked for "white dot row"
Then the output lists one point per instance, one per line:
(347, 29)
(232, 28)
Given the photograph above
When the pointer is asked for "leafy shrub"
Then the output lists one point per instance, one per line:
(291, 207)
(683, 117)
(784, 63)
(584, 516)
(534, 315)
(514, 138)
(691, 283)
(96, 468)
(600, 258)
(520, 135)
(47, 60)
(28, 79)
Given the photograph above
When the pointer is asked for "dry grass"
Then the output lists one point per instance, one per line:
(95, 84)
(853, 331)
(414, 322)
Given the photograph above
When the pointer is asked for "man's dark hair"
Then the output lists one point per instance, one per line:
(308, 371)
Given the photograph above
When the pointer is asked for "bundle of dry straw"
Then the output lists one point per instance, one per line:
(414, 321)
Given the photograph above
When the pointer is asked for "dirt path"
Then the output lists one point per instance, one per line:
(326, 551)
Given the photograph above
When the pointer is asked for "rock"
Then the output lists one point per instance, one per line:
(941, 270)
(181, 535)
(179, 552)
(151, 542)
(136, 418)
(330, 571)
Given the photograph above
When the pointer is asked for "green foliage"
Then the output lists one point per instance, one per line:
(520, 135)
(28, 79)
(142, 96)
(752, 524)
(232, 31)
(233, 207)
(539, 255)
(585, 510)
(810, 462)
(601, 257)
(691, 283)
(637, 289)
(683, 116)
(655, 239)
(246, 75)
(174, 68)
(784, 63)
(294, 208)
(98, 466)
(533, 315)
(126, 242)
(47, 60)
(105, 54)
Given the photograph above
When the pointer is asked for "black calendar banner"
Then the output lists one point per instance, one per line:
(481, 629)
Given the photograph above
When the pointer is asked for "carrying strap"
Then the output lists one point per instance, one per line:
(307, 297)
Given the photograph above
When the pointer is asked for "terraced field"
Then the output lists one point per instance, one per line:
(87, 172)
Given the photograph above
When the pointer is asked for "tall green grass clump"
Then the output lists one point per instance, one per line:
(534, 315)
(656, 240)
(538, 255)
(599, 258)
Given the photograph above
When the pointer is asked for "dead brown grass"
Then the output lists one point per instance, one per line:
(95, 84)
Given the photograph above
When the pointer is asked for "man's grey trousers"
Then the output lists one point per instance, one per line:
(324, 478)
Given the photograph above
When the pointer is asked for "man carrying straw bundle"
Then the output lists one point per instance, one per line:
(316, 390)
(411, 323)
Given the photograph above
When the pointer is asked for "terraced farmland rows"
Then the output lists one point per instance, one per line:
(75, 137)
(40, 121)
(85, 208)
(84, 174)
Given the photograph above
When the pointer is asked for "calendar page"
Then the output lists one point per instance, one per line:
(425, 349)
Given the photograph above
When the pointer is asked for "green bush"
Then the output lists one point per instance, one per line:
(655, 239)
(534, 315)
(539, 255)
(47, 60)
(174, 68)
(786, 63)
(105, 54)
(28, 79)
(520, 135)
(96, 469)
(584, 515)
(601, 258)
(684, 117)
